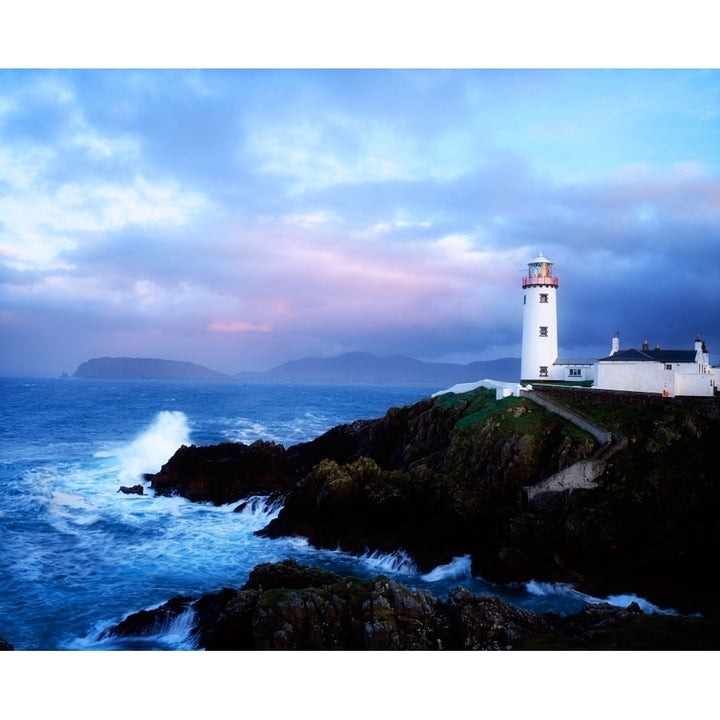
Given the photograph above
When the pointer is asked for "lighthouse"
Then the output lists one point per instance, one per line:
(540, 337)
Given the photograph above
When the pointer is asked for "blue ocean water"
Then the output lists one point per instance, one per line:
(77, 556)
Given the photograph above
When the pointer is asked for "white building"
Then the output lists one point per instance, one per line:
(574, 369)
(668, 372)
(540, 337)
(539, 359)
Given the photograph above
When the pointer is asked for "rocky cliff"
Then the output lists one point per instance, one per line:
(225, 473)
(447, 477)
(284, 606)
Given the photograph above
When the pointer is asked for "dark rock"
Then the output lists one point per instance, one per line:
(288, 574)
(224, 620)
(396, 441)
(346, 613)
(132, 490)
(607, 627)
(5, 645)
(438, 479)
(485, 622)
(445, 477)
(224, 473)
(353, 614)
(149, 622)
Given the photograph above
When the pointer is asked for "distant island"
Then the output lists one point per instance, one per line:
(107, 368)
(355, 368)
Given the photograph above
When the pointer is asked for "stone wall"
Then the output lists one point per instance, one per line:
(707, 406)
(601, 434)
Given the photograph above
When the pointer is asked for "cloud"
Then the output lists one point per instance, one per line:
(253, 217)
(39, 227)
(238, 326)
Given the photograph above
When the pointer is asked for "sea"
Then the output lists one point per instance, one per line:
(77, 555)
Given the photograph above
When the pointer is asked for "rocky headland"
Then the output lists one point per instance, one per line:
(286, 606)
(453, 475)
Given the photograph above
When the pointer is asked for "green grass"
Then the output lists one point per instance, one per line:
(511, 415)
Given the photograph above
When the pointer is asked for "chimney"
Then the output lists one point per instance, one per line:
(615, 343)
(645, 346)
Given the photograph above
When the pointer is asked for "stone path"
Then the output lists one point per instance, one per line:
(583, 474)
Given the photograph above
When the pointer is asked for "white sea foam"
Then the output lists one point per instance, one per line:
(297, 543)
(154, 446)
(175, 633)
(397, 563)
(259, 507)
(458, 568)
(546, 589)
(67, 511)
(244, 430)
(645, 605)
(172, 634)
(69, 500)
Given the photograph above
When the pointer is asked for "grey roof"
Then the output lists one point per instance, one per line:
(662, 356)
(575, 361)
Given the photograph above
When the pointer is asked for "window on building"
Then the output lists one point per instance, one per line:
(543, 331)
(543, 371)
(575, 372)
(543, 297)
(668, 366)
(524, 299)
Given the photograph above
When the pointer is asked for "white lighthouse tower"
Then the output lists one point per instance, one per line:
(540, 336)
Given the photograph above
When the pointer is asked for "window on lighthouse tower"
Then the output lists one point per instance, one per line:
(543, 297)
(543, 331)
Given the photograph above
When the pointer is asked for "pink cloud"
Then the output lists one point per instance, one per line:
(239, 326)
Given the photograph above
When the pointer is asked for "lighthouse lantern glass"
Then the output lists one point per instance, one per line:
(540, 269)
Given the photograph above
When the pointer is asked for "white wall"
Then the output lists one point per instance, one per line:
(536, 350)
(652, 377)
(695, 384)
(562, 372)
(635, 376)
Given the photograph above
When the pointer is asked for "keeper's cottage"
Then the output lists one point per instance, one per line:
(669, 372)
(666, 372)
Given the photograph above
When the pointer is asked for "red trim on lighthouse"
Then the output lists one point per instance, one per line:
(533, 281)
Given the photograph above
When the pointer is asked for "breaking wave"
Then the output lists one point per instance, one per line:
(396, 563)
(562, 590)
(458, 569)
(154, 446)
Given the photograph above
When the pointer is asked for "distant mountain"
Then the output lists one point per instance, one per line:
(358, 368)
(145, 369)
(354, 368)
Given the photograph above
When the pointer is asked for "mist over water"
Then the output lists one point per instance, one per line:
(78, 555)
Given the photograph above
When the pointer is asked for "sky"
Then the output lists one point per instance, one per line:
(243, 218)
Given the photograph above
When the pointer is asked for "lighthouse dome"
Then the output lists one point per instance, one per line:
(540, 259)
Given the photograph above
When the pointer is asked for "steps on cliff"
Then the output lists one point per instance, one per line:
(582, 474)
